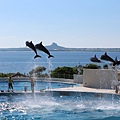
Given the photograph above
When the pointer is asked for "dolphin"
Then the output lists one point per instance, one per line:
(95, 59)
(117, 62)
(42, 48)
(107, 58)
(31, 45)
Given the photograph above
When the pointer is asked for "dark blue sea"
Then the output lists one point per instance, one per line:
(23, 61)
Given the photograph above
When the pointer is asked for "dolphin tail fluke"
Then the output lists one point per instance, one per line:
(37, 56)
(50, 56)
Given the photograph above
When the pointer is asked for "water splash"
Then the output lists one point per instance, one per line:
(48, 107)
(50, 67)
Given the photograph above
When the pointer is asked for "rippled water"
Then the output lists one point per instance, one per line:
(36, 107)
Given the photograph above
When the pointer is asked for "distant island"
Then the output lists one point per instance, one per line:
(55, 47)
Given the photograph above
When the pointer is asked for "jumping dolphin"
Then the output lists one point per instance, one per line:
(31, 45)
(95, 59)
(42, 48)
(107, 58)
(117, 62)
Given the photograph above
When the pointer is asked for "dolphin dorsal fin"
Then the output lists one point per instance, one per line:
(116, 59)
(105, 53)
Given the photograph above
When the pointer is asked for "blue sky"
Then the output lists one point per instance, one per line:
(69, 23)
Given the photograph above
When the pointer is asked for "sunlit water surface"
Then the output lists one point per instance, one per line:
(37, 107)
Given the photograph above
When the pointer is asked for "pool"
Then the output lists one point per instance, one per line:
(37, 107)
(19, 85)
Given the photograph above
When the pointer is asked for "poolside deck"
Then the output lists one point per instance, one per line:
(80, 89)
(74, 89)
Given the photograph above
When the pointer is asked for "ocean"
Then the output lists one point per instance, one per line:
(24, 62)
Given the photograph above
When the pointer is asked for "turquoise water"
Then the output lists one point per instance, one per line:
(19, 85)
(37, 107)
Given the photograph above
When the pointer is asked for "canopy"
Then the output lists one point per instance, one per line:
(19, 75)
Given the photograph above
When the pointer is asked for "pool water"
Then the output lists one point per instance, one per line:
(38, 107)
(19, 85)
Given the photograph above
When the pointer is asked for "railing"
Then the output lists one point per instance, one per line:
(65, 76)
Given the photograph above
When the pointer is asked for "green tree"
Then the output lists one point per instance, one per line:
(92, 66)
(64, 72)
(75, 70)
(37, 71)
(105, 66)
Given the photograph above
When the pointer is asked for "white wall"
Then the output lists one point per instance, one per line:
(100, 78)
(78, 78)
